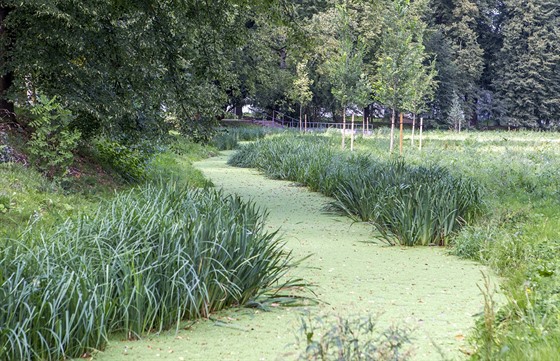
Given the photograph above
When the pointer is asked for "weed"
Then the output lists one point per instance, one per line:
(351, 339)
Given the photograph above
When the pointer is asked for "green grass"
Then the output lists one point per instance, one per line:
(228, 138)
(518, 237)
(28, 198)
(79, 262)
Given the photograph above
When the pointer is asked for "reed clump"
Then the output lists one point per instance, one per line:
(145, 261)
(407, 204)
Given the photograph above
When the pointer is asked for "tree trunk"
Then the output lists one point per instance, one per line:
(366, 112)
(391, 141)
(239, 111)
(343, 127)
(413, 126)
(352, 135)
(6, 79)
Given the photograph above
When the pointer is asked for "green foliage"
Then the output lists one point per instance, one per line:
(456, 117)
(143, 262)
(129, 162)
(407, 205)
(53, 140)
(130, 67)
(301, 89)
(228, 138)
(410, 205)
(518, 238)
(346, 67)
(402, 80)
(528, 78)
(351, 339)
(176, 163)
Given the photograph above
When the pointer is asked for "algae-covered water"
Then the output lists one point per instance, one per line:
(423, 288)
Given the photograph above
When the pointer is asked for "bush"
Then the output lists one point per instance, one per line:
(52, 141)
(142, 263)
(229, 138)
(127, 161)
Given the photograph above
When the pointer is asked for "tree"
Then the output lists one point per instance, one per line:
(301, 89)
(459, 55)
(128, 69)
(422, 85)
(402, 53)
(6, 72)
(528, 80)
(456, 114)
(346, 68)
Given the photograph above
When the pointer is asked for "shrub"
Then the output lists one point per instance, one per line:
(127, 161)
(52, 141)
(142, 263)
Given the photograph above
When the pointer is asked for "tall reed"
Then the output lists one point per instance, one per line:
(407, 204)
(143, 262)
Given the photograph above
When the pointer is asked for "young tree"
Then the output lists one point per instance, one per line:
(346, 69)
(401, 53)
(301, 91)
(456, 114)
(422, 86)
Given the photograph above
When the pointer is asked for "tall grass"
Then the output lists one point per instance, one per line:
(143, 262)
(407, 204)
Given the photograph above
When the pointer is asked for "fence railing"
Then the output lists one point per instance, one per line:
(280, 119)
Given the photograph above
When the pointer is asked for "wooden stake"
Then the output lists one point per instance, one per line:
(352, 135)
(300, 118)
(401, 134)
(343, 127)
(413, 126)
(364, 125)
(367, 125)
(421, 126)
(305, 123)
(392, 140)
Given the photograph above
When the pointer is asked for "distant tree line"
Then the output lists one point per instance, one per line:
(133, 69)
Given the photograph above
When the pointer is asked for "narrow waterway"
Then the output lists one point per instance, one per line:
(422, 288)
